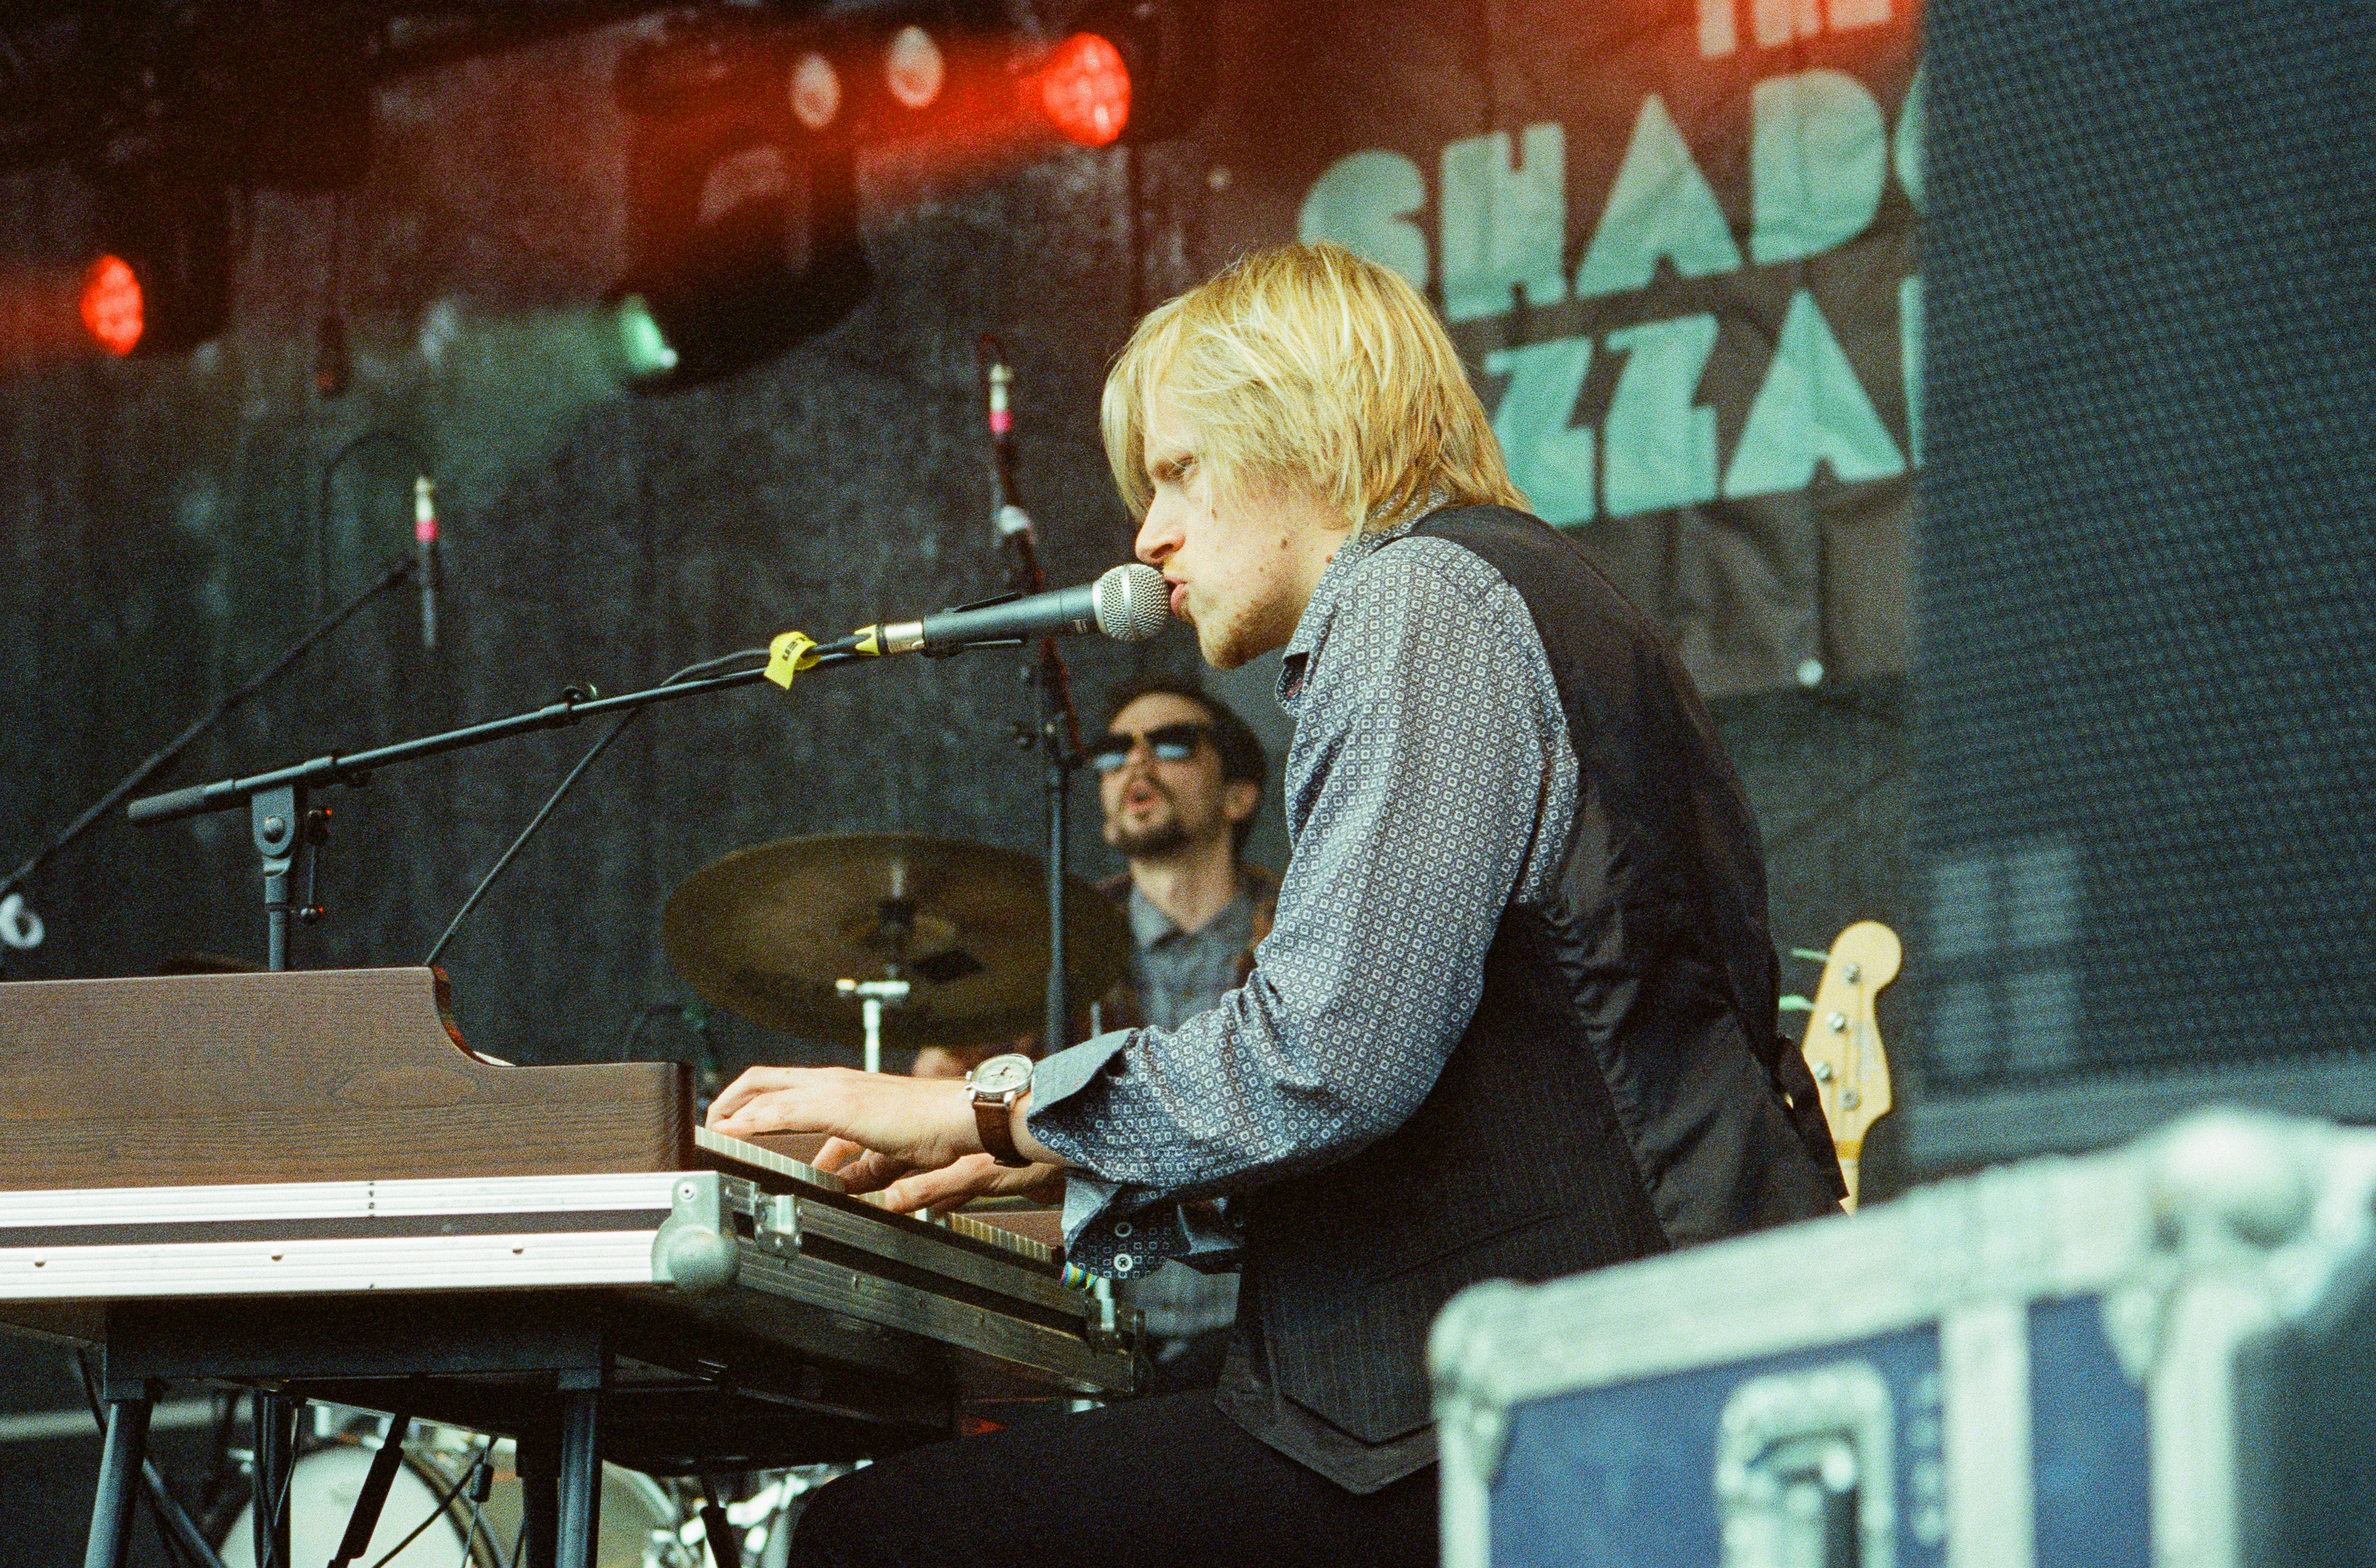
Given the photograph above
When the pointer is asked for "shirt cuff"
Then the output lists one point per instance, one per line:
(1132, 1244)
(1061, 1074)
(1056, 1078)
(1100, 1237)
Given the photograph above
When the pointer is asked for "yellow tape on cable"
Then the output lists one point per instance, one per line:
(788, 656)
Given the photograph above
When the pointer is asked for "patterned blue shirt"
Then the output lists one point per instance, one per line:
(1429, 784)
(1177, 973)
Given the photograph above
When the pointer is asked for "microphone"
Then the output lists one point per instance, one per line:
(1129, 603)
(424, 544)
(1006, 507)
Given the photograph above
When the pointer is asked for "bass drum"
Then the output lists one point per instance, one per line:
(639, 1528)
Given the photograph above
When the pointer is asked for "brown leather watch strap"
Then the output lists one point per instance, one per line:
(991, 1115)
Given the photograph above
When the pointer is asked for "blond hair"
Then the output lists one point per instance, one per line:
(1306, 366)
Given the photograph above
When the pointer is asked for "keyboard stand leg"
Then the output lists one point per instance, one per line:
(195, 1547)
(539, 1480)
(119, 1480)
(724, 1548)
(581, 1479)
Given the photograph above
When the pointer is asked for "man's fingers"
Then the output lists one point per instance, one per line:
(748, 1085)
(913, 1120)
(987, 1179)
(770, 1111)
(871, 1172)
(834, 1153)
(948, 1186)
(783, 1099)
(953, 1185)
(729, 1100)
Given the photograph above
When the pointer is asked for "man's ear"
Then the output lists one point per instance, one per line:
(1240, 798)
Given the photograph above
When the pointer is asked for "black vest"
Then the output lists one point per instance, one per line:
(1620, 1089)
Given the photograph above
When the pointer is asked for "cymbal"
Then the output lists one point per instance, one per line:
(766, 933)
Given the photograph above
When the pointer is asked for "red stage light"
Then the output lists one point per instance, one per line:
(1085, 89)
(112, 305)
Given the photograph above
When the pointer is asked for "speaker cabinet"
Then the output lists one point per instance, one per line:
(2147, 816)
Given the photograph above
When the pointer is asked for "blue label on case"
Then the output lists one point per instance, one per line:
(1625, 1476)
(2088, 1441)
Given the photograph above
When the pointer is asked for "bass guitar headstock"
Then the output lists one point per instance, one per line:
(1843, 1043)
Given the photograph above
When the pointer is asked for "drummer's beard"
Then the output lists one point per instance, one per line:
(1163, 833)
(1163, 837)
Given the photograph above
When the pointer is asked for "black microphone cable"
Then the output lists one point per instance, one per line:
(596, 750)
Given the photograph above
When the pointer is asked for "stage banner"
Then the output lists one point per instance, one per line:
(1677, 245)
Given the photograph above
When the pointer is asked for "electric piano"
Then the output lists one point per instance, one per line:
(305, 1183)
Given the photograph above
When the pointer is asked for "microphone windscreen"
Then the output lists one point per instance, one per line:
(1133, 603)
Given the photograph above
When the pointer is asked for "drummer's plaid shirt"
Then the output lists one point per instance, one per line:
(1429, 782)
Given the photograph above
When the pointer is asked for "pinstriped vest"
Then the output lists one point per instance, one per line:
(1621, 1088)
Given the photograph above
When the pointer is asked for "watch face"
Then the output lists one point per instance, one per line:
(1003, 1075)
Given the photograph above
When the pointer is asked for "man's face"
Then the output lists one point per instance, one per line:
(1154, 807)
(1241, 568)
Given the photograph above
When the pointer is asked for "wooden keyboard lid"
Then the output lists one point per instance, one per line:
(313, 1076)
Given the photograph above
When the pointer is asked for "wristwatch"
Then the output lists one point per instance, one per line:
(996, 1085)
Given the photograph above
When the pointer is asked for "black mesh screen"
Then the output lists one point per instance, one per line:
(2149, 614)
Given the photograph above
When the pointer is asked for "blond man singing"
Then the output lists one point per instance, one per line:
(1516, 1015)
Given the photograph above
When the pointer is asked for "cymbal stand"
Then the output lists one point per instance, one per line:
(873, 997)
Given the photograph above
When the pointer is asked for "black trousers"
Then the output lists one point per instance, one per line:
(1166, 1481)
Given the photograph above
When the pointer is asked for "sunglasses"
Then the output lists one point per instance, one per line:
(1165, 742)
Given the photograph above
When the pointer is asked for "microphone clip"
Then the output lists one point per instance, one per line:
(951, 650)
(1009, 597)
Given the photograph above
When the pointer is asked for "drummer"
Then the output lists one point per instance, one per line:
(1180, 777)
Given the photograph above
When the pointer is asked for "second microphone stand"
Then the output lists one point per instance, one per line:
(286, 836)
(276, 801)
(1057, 733)
(1057, 737)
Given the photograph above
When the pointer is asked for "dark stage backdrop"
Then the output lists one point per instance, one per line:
(166, 537)
(169, 526)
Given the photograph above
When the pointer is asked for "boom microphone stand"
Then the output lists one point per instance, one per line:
(276, 801)
(1057, 737)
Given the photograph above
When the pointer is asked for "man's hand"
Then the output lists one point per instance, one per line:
(922, 1123)
(906, 1188)
(915, 1139)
